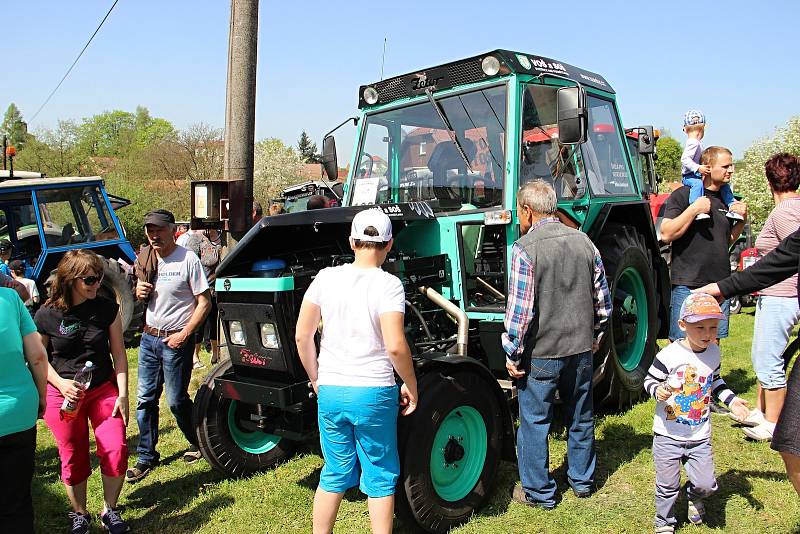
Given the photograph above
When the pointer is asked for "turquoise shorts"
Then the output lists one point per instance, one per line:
(358, 436)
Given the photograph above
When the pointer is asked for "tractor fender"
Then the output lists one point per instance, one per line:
(430, 362)
(637, 214)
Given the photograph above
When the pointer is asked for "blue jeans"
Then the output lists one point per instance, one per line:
(775, 320)
(679, 294)
(695, 183)
(160, 364)
(572, 378)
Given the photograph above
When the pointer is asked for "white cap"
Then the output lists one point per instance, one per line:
(377, 219)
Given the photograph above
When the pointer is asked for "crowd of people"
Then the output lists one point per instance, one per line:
(556, 276)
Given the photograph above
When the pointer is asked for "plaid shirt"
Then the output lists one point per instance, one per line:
(520, 308)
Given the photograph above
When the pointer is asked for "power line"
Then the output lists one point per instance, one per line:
(74, 62)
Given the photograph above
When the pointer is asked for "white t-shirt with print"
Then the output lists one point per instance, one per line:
(351, 300)
(179, 279)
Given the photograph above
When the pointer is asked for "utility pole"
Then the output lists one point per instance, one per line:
(240, 116)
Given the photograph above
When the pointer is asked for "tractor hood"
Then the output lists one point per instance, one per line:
(326, 231)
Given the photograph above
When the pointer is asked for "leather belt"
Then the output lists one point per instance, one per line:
(157, 332)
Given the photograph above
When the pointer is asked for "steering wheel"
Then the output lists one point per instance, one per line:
(368, 171)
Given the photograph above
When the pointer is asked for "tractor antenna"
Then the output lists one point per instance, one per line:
(383, 59)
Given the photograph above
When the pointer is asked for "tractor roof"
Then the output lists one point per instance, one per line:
(470, 70)
(36, 182)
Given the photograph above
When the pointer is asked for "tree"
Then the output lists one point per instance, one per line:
(275, 167)
(308, 149)
(749, 178)
(108, 134)
(668, 164)
(14, 127)
(55, 152)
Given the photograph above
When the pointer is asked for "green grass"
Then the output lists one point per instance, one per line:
(754, 494)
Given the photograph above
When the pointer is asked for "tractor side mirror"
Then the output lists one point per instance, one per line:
(647, 141)
(572, 115)
(329, 157)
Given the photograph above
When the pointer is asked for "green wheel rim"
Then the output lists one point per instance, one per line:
(458, 453)
(252, 442)
(630, 300)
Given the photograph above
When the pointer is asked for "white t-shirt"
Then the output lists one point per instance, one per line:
(179, 279)
(30, 285)
(352, 300)
(694, 378)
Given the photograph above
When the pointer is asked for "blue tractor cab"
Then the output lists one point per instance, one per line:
(43, 218)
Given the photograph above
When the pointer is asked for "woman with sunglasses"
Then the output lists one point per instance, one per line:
(78, 326)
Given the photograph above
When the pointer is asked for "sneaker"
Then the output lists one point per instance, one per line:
(80, 523)
(733, 215)
(695, 512)
(519, 495)
(192, 454)
(762, 432)
(702, 216)
(665, 529)
(113, 523)
(138, 472)
(754, 418)
(584, 493)
(719, 409)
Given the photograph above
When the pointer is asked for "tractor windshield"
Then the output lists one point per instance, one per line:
(407, 154)
(75, 215)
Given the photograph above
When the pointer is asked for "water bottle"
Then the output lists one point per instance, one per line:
(83, 378)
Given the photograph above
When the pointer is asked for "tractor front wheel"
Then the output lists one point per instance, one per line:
(118, 287)
(230, 446)
(449, 450)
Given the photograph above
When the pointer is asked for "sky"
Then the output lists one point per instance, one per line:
(737, 63)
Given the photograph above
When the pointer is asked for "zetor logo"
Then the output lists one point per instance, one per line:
(227, 284)
(423, 82)
(254, 359)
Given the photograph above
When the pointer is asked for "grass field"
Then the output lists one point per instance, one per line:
(754, 494)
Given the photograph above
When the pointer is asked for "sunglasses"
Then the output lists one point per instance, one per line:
(91, 280)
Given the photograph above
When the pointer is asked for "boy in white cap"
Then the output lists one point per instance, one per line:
(683, 377)
(694, 125)
(363, 343)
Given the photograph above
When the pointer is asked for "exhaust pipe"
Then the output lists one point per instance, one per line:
(455, 312)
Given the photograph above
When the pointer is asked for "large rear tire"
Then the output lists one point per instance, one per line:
(629, 345)
(118, 287)
(225, 444)
(449, 450)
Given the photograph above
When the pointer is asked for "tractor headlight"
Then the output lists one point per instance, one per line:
(490, 65)
(237, 333)
(269, 336)
(370, 95)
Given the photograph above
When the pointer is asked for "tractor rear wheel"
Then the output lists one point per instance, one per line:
(118, 287)
(449, 450)
(225, 443)
(629, 344)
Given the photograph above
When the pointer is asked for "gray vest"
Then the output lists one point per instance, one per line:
(563, 263)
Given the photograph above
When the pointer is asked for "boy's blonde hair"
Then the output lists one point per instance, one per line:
(694, 128)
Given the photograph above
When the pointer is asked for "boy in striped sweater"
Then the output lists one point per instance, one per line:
(683, 377)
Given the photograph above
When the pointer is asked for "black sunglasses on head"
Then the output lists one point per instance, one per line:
(91, 279)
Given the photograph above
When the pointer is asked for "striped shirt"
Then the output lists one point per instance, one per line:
(520, 308)
(693, 377)
(782, 221)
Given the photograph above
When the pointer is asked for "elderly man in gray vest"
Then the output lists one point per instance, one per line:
(558, 305)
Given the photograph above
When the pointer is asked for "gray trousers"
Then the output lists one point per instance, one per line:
(697, 458)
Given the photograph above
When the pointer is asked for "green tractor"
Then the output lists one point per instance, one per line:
(443, 151)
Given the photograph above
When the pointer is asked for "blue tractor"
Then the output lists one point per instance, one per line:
(43, 218)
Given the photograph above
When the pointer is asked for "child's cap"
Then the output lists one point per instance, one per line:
(699, 307)
(376, 218)
(694, 116)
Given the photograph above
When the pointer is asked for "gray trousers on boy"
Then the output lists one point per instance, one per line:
(668, 455)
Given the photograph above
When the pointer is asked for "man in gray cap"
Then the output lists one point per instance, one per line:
(177, 295)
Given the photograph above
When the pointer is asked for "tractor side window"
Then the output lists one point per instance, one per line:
(19, 226)
(372, 172)
(482, 249)
(607, 167)
(101, 226)
(61, 227)
(542, 157)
